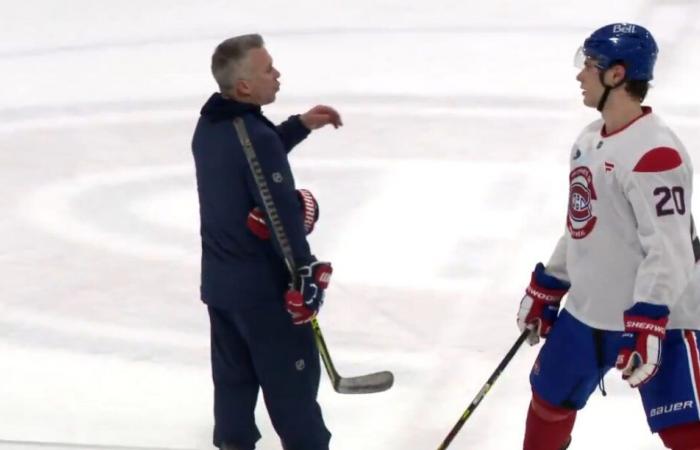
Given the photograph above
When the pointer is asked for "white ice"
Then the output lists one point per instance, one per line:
(444, 187)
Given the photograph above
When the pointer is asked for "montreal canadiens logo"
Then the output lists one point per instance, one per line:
(580, 219)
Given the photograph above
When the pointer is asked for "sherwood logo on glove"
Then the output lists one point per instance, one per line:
(538, 294)
(679, 406)
(641, 325)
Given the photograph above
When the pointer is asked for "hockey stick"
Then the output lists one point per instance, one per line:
(365, 384)
(484, 389)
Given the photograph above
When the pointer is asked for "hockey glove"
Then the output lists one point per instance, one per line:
(309, 210)
(304, 303)
(640, 355)
(540, 305)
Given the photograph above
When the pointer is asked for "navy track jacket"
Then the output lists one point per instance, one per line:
(240, 270)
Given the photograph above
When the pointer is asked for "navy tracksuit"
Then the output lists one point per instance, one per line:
(253, 341)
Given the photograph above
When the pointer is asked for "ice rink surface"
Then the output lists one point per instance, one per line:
(446, 184)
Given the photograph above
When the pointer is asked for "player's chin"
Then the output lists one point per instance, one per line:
(270, 99)
(588, 101)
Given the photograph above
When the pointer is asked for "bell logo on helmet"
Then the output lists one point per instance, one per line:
(624, 28)
(627, 43)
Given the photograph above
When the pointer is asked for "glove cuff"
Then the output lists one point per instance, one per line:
(546, 288)
(304, 261)
(647, 318)
(547, 281)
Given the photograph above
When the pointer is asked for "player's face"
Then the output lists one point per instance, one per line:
(261, 80)
(592, 88)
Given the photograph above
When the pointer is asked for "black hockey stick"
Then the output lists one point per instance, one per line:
(484, 389)
(365, 384)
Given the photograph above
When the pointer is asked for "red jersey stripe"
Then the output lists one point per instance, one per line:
(659, 159)
(694, 362)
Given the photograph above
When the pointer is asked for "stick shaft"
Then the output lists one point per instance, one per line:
(484, 390)
(281, 235)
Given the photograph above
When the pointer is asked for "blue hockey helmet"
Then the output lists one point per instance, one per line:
(630, 44)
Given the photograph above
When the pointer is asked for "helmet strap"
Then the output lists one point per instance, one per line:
(606, 92)
(603, 99)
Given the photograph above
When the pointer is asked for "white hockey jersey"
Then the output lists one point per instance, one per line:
(629, 226)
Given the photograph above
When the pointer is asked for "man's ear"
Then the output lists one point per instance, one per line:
(242, 88)
(618, 73)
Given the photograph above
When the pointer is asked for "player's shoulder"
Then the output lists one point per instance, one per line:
(658, 159)
(589, 133)
(594, 127)
(660, 149)
(653, 147)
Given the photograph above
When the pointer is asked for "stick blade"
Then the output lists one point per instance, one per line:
(365, 384)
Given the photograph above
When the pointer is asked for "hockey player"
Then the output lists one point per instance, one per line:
(626, 259)
(260, 335)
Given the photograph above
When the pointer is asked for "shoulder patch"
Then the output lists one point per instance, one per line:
(659, 159)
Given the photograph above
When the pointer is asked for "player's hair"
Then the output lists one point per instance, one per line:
(637, 88)
(228, 56)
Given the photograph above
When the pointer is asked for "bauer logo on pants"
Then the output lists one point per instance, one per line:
(679, 406)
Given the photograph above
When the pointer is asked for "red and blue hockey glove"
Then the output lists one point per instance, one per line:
(309, 210)
(640, 354)
(304, 303)
(540, 305)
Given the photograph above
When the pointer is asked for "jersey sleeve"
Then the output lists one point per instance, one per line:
(659, 190)
(278, 175)
(556, 266)
(292, 132)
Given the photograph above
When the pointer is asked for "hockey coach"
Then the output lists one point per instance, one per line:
(260, 335)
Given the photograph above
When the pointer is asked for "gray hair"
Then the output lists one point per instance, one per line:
(228, 56)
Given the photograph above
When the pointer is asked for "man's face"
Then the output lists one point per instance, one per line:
(589, 77)
(260, 81)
